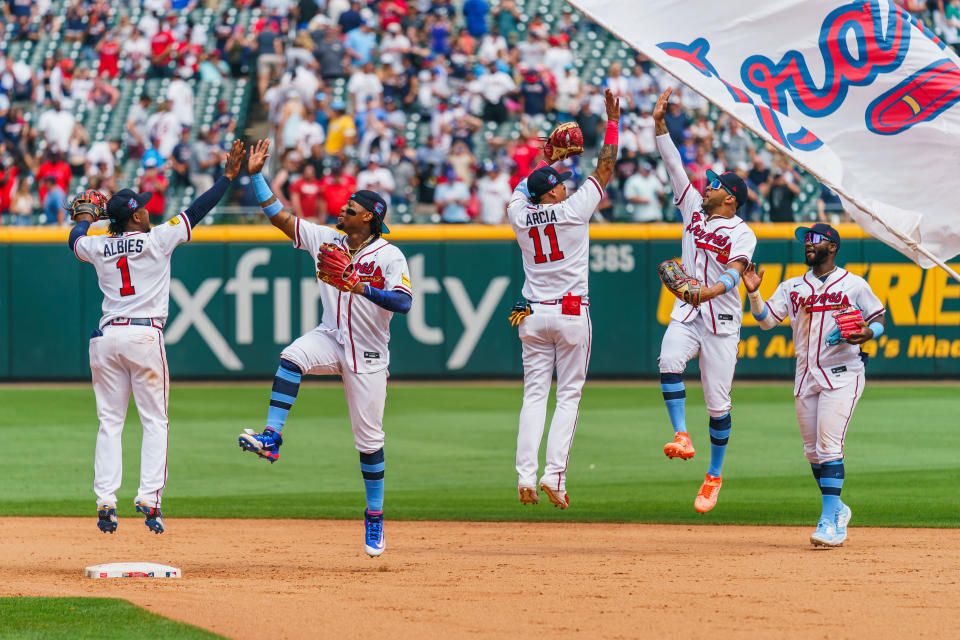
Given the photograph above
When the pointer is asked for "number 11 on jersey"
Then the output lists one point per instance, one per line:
(555, 252)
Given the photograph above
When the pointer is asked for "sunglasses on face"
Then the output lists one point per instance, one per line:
(814, 238)
(716, 184)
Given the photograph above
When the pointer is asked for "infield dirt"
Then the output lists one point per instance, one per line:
(311, 579)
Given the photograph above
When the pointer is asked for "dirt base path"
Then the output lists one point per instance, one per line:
(311, 579)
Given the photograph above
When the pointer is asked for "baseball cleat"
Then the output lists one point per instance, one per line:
(558, 498)
(528, 495)
(266, 444)
(843, 519)
(707, 496)
(825, 535)
(373, 542)
(681, 446)
(152, 517)
(107, 518)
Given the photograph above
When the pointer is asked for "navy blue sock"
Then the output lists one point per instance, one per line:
(831, 483)
(719, 435)
(816, 467)
(372, 466)
(286, 384)
(675, 397)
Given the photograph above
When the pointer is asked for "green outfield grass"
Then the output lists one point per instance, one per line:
(27, 618)
(450, 455)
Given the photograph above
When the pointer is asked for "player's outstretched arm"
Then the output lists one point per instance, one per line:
(761, 312)
(209, 198)
(608, 152)
(272, 207)
(668, 151)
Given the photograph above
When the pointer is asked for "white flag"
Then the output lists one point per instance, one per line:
(862, 94)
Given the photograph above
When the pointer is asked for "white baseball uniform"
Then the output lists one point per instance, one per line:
(829, 378)
(554, 243)
(127, 353)
(353, 336)
(712, 329)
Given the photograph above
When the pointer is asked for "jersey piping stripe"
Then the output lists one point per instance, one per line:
(353, 346)
(772, 312)
(739, 257)
(166, 403)
(576, 418)
(869, 318)
(186, 222)
(683, 195)
(853, 404)
(372, 251)
(297, 232)
(404, 289)
(596, 183)
(79, 257)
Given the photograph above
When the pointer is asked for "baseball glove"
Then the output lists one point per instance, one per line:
(563, 142)
(335, 267)
(519, 311)
(848, 323)
(676, 280)
(91, 202)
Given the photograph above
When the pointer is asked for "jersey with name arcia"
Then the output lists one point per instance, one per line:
(362, 327)
(554, 241)
(810, 303)
(708, 246)
(133, 269)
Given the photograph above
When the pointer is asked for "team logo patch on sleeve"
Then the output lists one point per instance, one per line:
(404, 280)
(174, 221)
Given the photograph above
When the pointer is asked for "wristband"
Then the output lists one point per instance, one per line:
(877, 328)
(726, 281)
(613, 132)
(261, 188)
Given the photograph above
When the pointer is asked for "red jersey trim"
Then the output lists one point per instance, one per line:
(684, 194)
(596, 183)
(297, 233)
(186, 222)
(770, 309)
(81, 259)
(869, 318)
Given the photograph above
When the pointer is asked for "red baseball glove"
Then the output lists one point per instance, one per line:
(563, 142)
(848, 324)
(676, 280)
(335, 267)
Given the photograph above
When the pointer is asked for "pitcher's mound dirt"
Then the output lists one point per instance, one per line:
(310, 579)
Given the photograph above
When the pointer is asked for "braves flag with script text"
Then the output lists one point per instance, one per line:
(861, 94)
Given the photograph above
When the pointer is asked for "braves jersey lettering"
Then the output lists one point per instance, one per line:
(359, 325)
(535, 218)
(123, 245)
(810, 303)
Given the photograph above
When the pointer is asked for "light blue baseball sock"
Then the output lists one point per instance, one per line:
(286, 384)
(372, 466)
(719, 435)
(675, 397)
(831, 483)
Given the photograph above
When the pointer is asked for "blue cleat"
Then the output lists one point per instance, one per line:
(825, 535)
(373, 542)
(107, 518)
(843, 519)
(266, 444)
(152, 517)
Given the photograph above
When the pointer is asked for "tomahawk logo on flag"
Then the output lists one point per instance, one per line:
(861, 94)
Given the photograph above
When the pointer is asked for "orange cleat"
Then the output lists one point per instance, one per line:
(707, 496)
(681, 447)
(528, 495)
(559, 499)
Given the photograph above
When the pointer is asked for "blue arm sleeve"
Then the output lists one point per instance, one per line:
(396, 301)
(78, 232)
(207, 201)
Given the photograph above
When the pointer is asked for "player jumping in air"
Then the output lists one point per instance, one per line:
(363, 281)
(716, 247)
(554, 237)
(127, 352)
(831, 310)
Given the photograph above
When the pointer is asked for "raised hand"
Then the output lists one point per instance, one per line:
(234, 160)
(258, 156)
(660, 109)
(612, 104)
(751, 277)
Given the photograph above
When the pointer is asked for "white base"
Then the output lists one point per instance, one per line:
(133, 570)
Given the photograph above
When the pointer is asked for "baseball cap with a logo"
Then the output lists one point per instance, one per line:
(125, 202)
(374, 203)
(734, 184)
(822, 229)
(544, 179)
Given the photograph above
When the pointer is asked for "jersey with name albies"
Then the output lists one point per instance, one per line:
(361, 326)
(133, 269)
(810, 303)
(554, 241)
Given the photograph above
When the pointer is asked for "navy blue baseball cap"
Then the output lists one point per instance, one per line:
(822, 228)
(374, 203)
(125, 202)
(732, 182)
(544, 179)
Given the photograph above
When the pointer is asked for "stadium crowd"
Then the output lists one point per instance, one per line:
(435, 104)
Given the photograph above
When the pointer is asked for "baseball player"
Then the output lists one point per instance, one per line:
(716, 247)
(127, 352)
(554, 317)
(831, 310)
(363, 281)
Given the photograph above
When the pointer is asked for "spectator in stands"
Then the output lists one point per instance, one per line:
(507, 16)
(451, 198)
(269, 55)
(735, 144)
(644, 195)
(363, 85)
(54, 201)
(475, 15)
(783, 191)
(533, 95)
(180, 161)
(162, 48)
(165, 128)
(361, 43)
(677, 122)
(109, 50)
(376, 177)
(350, 19)
(305, 194)
(156, 183)
(331, 54)
(751, 209)
(23, 204)
(103, 94)
(495, 86)
(101, 158)
(493, 192)
(56, 125)
(135, 54)
(830, 207)
(341, 131)
(205, 161)
(336, 189)
(404, 169)
(212, 69)
(135, 128)
(55, 167)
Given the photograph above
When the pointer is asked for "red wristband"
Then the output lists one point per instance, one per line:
(613, 132)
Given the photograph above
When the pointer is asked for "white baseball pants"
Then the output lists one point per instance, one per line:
(718, 359)
(124, 359)
(823, 416)
(319, 353)
(551, 340)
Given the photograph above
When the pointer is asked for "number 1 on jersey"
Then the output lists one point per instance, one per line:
(555, 252)
(127, 288)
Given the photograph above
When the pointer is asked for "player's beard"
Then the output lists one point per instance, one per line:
(818, 258)
(340, 225)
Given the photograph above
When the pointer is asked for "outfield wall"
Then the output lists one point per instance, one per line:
(239, 294)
